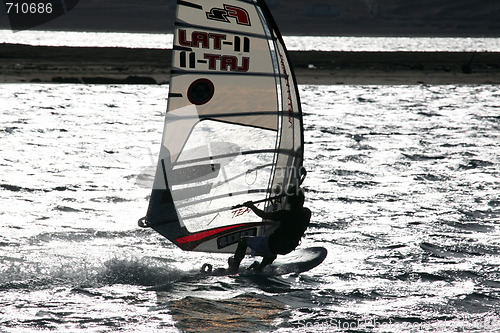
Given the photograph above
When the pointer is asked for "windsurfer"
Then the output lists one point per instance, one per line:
(292, 225)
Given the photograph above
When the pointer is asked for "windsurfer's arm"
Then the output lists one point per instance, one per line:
(259, 212)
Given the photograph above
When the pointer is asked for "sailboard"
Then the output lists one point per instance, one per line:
(298, 261)
(233, 129)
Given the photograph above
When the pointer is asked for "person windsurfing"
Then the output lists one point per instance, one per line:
(292, 225)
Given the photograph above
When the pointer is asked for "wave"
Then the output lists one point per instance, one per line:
(16, 188)
(471, 226)
(243, 313)
(355, 200)
(431, 177)
(84, 274)
(476, 302)
(459, 250)
(475, 163)
(421, 157)
(85, 235)
(479, 215)
(110, 199)
(10, 129)
(67, 209)
(138, 271)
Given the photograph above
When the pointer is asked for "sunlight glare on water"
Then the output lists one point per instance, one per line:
(306, 43)
(403, 182)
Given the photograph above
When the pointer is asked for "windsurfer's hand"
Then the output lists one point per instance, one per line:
(248, 204)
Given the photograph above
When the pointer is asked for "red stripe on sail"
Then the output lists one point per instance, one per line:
(205, 234)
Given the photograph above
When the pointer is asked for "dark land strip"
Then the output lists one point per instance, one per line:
(114, 65)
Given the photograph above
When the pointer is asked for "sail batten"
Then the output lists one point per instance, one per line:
(175, 71)
(229, 155)
(233, 127)
(188, 4)
(180, 24)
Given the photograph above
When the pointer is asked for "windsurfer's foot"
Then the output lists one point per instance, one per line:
(255, 266)
(233, 268)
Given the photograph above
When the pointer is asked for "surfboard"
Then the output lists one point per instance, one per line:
(298, 261)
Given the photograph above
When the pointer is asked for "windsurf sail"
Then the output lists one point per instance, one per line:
(233, 128)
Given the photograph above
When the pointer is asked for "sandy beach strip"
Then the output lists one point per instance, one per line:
(114, 65)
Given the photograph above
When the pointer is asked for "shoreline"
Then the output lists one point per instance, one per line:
(115, 65)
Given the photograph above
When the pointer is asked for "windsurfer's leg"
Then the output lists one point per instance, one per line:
(266, 261)
(239, 254)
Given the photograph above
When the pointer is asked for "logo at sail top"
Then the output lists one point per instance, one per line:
(223, 14)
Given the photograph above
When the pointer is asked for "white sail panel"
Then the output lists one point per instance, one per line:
(249, 100)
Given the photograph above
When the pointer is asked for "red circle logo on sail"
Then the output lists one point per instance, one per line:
(201, 91)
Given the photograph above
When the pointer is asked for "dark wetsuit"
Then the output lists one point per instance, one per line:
(283, 240)
(292, 227)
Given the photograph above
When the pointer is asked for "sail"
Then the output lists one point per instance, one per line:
(233, 127)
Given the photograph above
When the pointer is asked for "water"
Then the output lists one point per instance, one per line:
(403, 183)
(163, 41)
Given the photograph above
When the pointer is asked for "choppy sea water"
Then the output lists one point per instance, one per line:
(403, 182)
(306, 43)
